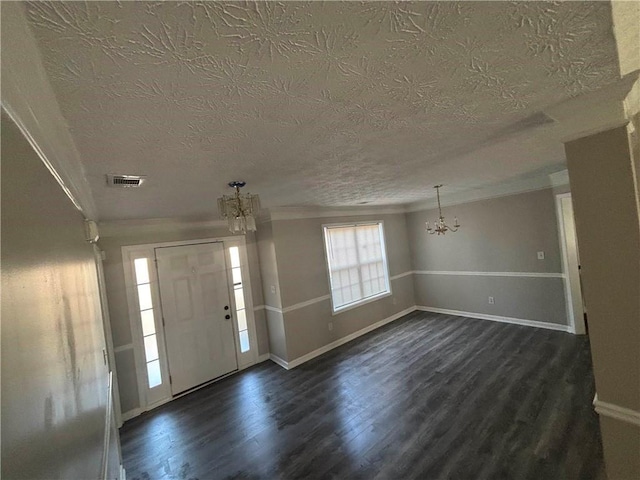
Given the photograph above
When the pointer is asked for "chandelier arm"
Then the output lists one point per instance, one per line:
(440, 227)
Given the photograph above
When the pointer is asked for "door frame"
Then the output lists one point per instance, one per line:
(108, 337)
(150, 398)
(217, 248)
(570, 264)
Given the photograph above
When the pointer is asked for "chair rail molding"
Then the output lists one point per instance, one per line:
(612, 410)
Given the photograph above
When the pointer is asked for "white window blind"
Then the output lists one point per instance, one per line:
(357, 263)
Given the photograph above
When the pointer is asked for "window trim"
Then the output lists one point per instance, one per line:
(385, 265)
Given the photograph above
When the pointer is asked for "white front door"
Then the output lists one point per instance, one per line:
(198, 328)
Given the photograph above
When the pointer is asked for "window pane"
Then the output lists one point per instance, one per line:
(346, 295)
(148, 324)
(237, 276)
(338, 300)
(356, 262)
(242, 319)
(244, 341)
(355, 292)
(151, 348)
(144, 297)
(153, 373)
(367, 288)
(142, 270)
(239, 299)
(234, 253)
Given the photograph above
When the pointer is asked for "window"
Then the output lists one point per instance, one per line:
(357, 264)
(145, 307)
(238, 292)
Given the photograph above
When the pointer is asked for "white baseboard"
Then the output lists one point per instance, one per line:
(279, 361)
(123, 473)
(612, 410)
(497, 318)
(131, 414)
(305, 358)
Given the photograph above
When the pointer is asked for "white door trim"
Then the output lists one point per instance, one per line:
(570, 270)
(200, 321)
(106, 323)
(162, 394)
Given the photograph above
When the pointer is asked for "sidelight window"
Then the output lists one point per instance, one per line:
(145, 306)
(357, 264)
(238, 292)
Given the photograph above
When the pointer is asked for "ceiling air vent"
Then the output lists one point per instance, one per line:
(125, 181)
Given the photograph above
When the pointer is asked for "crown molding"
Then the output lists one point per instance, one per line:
(29, 100)
(559, 179)
(298, 213)
(541, 182)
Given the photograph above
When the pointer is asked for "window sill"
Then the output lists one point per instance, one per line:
(351, 306)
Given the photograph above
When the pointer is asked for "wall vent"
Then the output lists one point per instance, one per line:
(125, 181)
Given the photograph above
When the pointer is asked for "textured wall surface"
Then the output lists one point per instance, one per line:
(54, 381)
(497, 235)
(346, 102)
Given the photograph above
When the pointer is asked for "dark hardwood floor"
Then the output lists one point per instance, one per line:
(426, 397)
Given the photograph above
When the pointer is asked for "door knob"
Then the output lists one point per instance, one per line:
(227, 317)
(226, 307)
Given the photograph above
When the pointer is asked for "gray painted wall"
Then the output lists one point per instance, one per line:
(268, 265)
(497, 235)
(302, 267)
(537, 299)
(302, 276)
(117, 296)
(54, 381)
(606, 201)
(271, 289)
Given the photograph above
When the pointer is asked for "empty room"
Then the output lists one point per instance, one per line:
(320, 240)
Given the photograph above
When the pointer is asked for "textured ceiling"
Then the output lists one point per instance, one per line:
(315, 103)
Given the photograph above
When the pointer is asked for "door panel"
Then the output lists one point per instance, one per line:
(194, 291)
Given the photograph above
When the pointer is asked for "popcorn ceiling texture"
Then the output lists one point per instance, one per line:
(314, 103)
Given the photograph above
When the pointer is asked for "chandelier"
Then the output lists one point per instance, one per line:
(239, 209)
(440, 226)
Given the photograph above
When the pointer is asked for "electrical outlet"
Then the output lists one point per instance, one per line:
(395, 300)
(330, 326)
(540, 255)
(491, 301)
(273, 289)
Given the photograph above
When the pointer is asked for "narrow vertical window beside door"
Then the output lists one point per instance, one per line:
(238, 292)
(145, 305)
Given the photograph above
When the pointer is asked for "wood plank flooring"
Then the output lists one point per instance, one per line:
(426, 397)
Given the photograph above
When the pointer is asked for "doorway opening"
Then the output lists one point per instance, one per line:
(576, 311)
